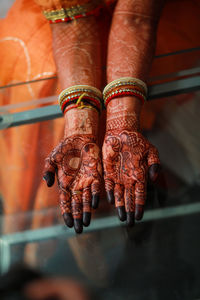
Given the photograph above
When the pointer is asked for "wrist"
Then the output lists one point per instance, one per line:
(80, 122)
(124, 114)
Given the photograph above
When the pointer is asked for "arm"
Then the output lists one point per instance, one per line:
(76, 160)
(127, 155)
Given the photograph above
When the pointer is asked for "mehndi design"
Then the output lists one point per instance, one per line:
(127, 157)
(76, 161)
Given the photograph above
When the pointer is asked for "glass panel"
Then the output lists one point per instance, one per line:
(156, 259)
(176, 65)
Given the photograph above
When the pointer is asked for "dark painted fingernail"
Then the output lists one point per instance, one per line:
(78, 226)
(153, 171)
(86, 218)
(68, 219)
(130, 218)
(121, 213)
(110, 197)
(139, 211)
(50, 178)
(95, 201)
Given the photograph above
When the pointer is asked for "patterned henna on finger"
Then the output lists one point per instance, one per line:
(86, 197)
(119, 195)
(77, 206)
(129, 199)
(140, 193)
(65, 204)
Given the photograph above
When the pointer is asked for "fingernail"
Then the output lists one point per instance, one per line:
(153, 171)
(86, 218)
(95, 201)
(50, 178)
(78, 225)
(121, 213)
(139, 211)
(130, 218)
(110, 197)
(68, 219)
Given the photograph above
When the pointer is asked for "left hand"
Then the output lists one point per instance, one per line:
(128, 158)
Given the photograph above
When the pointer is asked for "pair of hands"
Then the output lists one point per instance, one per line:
(128, 158)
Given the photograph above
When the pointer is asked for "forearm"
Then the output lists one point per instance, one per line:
(130, 53)
(77, 56)
(76, 50)
(132, 39)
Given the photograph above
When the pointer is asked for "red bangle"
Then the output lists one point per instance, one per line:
(133, 87)
(122, 94)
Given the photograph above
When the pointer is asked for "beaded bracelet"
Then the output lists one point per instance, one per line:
(125, 86)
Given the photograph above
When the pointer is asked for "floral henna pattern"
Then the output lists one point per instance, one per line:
(118, 122)
(127, 158)
(77, 164)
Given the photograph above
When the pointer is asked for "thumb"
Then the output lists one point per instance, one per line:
(154, 171)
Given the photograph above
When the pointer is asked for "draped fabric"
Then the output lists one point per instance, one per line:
(26, 54)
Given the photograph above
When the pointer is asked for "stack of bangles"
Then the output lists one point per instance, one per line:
(80, 96)
(125, 86)
(85, 96)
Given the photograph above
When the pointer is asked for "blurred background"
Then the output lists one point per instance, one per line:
(156, 259)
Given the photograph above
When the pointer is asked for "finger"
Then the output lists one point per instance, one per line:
(140, 196)
(130, 218)
(119, 201)
(86, 197)
(49, 177)
(95, 189)
(129, 199)
(76, 207)
(49, 172)
(154, 171)
(153, 156)
(109, 187)
(65, 206)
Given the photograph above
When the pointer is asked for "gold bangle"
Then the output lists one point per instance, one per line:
(125, 81)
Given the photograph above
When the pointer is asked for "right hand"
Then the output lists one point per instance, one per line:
(76, 162)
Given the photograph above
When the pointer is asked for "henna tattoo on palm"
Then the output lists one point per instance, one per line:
(77, 164)
(127, 157)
